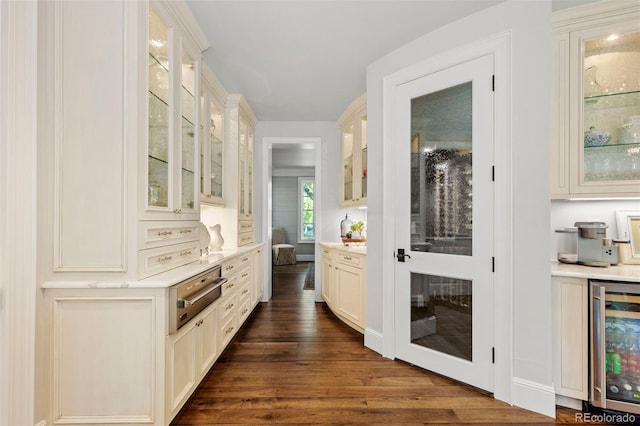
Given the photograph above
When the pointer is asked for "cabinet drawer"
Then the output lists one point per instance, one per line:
(162, 233)
(348, 258)
(245, 260)
(228, 307)
(227, 331)
(245, 238)
(229, 268)
(244, 294)
(243, 311)
(156, 260)
(245, 226)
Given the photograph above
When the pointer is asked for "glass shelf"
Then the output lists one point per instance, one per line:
(612, 100)
(631, 148)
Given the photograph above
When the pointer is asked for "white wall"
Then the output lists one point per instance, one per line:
(530, 25)
(566, 213)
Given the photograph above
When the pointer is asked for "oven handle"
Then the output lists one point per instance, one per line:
(214, 286)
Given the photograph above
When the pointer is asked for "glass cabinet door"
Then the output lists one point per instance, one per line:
(172, 163)
(363, 150)
(215, 143)
(188, 131)
(160, 126)
(611, 106)
(347, 164)
(242, 157)
(250, 172)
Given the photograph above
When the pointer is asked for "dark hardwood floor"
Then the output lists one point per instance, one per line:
(294, 362)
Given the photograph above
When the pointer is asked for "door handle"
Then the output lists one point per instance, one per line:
(401, 255)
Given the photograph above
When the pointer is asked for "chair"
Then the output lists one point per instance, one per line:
(283, 253)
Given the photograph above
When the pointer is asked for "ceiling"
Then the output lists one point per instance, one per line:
(306, 60)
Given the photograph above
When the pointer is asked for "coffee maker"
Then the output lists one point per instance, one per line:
(594, 248)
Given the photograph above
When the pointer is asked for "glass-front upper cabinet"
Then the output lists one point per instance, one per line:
(249, 172)
(353, 172)
(212, 145)
(596, 134)
(172, 152)
(242, 168)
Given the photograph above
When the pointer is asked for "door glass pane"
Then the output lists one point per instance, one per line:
(441, 314)
(347, 163)
(188, 119)
(158, 168)
(622, 346)
(215, 139)
(612, 108)
(441, 191)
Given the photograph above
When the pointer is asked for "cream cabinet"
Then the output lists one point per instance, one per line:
(570, 328)
(595, 132)
(258, 273)
(344, 284)
(327, 275)
(190, 354)
(213, 97)
(353, 168)
(241, 122)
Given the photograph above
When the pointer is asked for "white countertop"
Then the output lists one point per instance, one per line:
(351, 247)
(163, 280)
(617, 273)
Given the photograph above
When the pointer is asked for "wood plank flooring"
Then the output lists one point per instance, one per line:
(294, 362)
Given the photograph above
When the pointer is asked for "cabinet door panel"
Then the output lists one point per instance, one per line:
(207, 339)
(348, 286)
(181, 365)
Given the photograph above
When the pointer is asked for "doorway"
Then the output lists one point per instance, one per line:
(295, 167)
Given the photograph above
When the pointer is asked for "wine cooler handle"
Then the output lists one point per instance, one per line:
(598, 349)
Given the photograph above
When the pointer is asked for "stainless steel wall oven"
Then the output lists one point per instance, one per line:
(190, 297)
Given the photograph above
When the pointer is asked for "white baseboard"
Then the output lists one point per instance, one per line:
(565, 401)
(305, 257)
(41, 423)
(533, 396)
(373, 340)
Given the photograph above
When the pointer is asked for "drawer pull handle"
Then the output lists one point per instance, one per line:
(245, 291)
(164, 259)
(164, 233)
(228, 268)
(245, 274)
(244, 311)
(347, 258)
(245, 259)
(231, 286)
(185, 231)
(177, 211)
(185, 252)
(230, 306)
(229, 330)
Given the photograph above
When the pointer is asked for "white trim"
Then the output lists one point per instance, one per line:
(41, 423)
(373, 340)
(533, 396)
(500, 46)
(267, 151)
(18, 213)
(565, 401)
(182, 15)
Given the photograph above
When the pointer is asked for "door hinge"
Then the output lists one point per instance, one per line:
(493, 83)
(493, 355)
(493, 264)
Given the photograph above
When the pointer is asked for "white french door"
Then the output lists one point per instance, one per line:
(443, 131)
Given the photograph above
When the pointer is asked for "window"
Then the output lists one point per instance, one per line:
(306, 228)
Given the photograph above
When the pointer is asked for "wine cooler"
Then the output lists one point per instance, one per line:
(615, 346)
